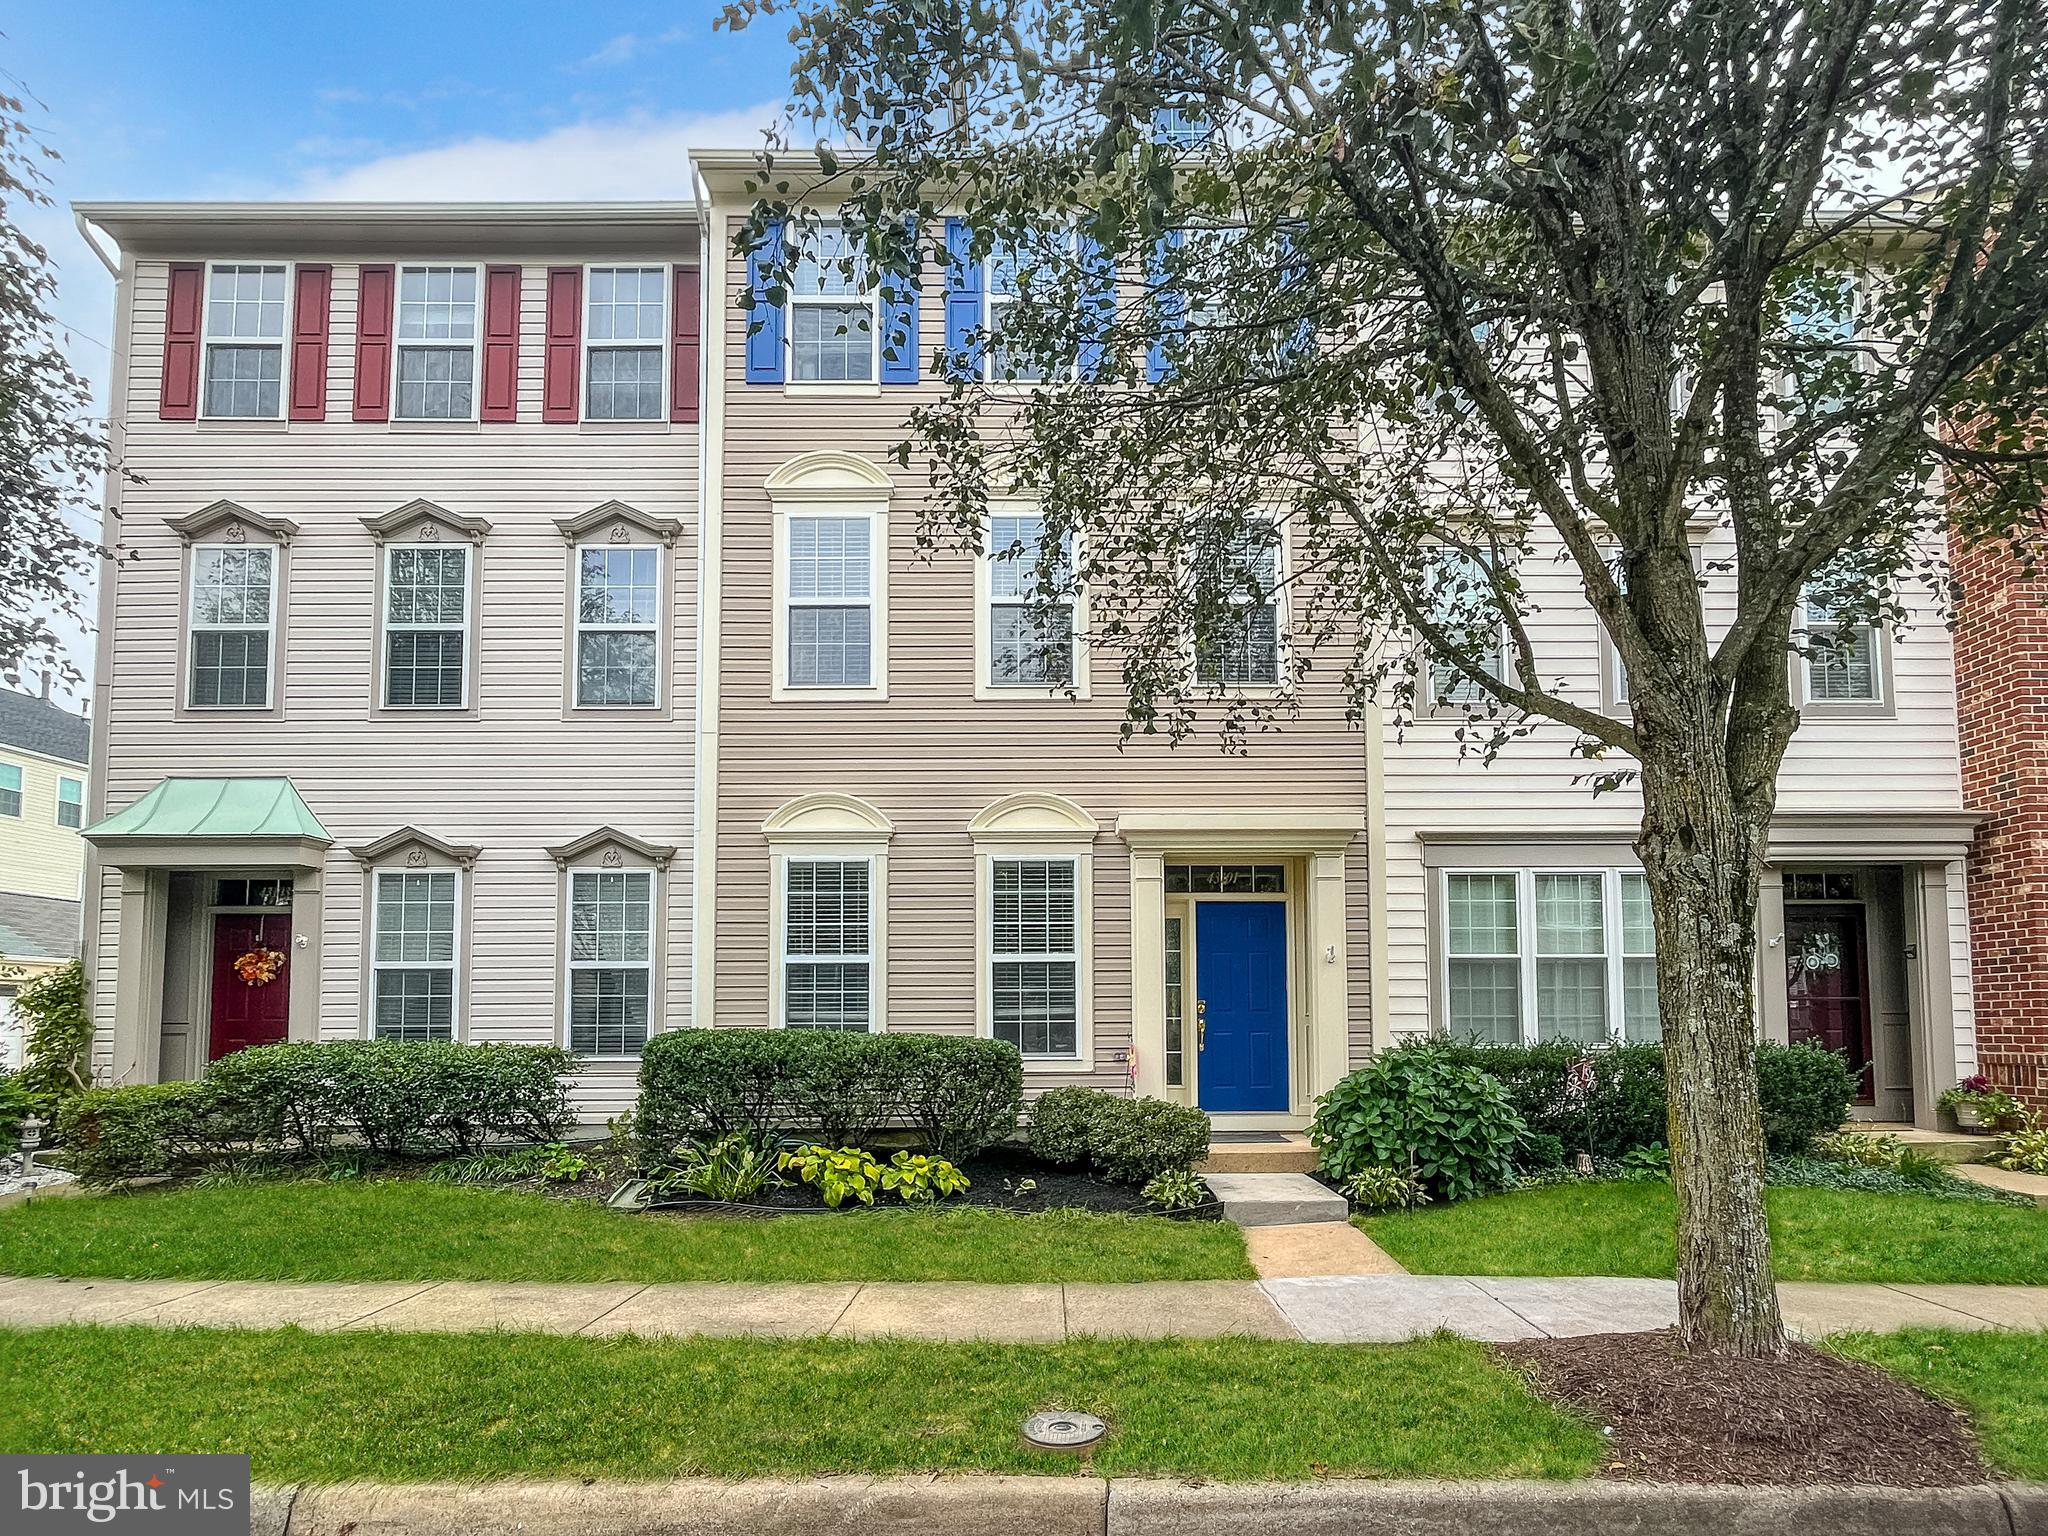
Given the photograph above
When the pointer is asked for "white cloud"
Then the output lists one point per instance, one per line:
(644, 156)
(626, 47)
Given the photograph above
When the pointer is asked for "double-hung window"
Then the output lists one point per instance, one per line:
(413, 954)
(1031, 637)
(426, 626)
(625, 334)
(828, 958)
(70, 802)
(1820, 324)
(830, 564)
(1461, 604)
(437, 330)
(245, 321)
(611, 960)
(1844, 657)
(1548, 955)
(232, 623)
(10, 789)
(1015, 269)
(618, 626)
(1243, 647)
(834, 314)
(1034, 954)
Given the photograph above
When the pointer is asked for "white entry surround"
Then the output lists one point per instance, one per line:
(1319, 1031)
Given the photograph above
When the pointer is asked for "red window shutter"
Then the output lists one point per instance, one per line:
(686, 344)
(184, 303)
(563, 360)
(501, 345)
(312, 285)
(375, 285)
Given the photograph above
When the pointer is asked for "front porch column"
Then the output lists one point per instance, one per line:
(1329, 1036)
(303, 1019)
(1773, 1010)
(1931, 986)
(1148, 971)
(138, 977)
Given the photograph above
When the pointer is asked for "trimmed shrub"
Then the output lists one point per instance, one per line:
(1063, 1123)
(395, 1096)
(111, 1134)
(1417, 1107)
(1615, 1101)
(958, 1094)
(1133, 1141)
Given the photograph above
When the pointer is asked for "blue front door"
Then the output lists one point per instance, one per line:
(1241, 1004)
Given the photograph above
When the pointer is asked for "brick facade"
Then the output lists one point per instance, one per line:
(2001, 647)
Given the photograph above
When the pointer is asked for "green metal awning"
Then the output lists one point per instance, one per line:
(205, 817)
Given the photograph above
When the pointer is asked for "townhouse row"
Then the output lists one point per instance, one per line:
(525, 642)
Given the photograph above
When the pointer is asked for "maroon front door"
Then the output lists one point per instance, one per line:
(249, 1013)
(1827, 984)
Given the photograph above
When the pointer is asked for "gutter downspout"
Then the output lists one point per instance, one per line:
(704, 743)
(92, 243)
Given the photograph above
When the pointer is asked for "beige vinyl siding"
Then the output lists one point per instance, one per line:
(1537, 786)
(522, 774)
(38, 857)
(931, 755)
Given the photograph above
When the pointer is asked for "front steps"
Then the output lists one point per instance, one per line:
(1276, 1199)
(1942, 1146)
(1290, 1154)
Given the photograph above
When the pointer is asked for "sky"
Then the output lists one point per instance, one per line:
(406, 101)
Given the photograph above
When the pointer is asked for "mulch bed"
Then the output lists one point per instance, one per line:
(1001, 1179)
(1811, 1418)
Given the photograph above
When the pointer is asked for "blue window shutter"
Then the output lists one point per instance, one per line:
(963, 303)
(764, 320)
(1294, 290)
(1169, 305)
(1098, 307)
(900, 341)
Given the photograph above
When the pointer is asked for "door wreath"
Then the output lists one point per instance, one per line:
(259, 967)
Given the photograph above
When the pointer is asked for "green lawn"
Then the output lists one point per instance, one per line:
(431, 1406)
(1626, 1229)
(2001, 1379)
(416, 1230)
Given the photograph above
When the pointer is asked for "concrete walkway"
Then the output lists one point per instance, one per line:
(1337, 1309)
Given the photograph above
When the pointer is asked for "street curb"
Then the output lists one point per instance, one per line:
(1090, 1506)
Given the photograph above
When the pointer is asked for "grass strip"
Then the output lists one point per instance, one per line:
(2000, 1379)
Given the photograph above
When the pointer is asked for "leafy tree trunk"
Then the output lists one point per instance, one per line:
(1703, 849)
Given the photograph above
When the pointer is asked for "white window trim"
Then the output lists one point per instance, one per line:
(1282, 650)
(984, 622)
(19, 789)
(877, 516)
(668, 327)
(386, 628)
(1082, 857)
(1433, 707)
(1614, 954)
(578, 628)
(1070, 238)
(871, 296)
(656, 897)
(57, 814)
(208, 341)
(193, 629)
(475, 342)
(1879, 706)
(457, 967)
(877, 863)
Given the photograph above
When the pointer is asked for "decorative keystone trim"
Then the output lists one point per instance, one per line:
(424, 520)
(621, 520)
(235, 519)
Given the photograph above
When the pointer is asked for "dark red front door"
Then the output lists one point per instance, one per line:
(246, 1013)
(1827, 984)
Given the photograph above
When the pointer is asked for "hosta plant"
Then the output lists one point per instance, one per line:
(2026, 1150)
(1859, 1149)
(732, 1168)
(1177, 1189)
(919, 1180)
(1383, 1188)
(847, 1174)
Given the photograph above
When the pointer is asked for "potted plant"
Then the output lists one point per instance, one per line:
(1978, 1106)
